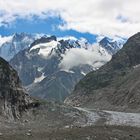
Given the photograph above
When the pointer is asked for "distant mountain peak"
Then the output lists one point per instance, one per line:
(105, 39)
(112, 45)
(44, 39)
(10, 46)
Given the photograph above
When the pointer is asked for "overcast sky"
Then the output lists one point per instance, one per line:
(98, 17)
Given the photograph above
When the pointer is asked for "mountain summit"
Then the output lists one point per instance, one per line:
(112, 45)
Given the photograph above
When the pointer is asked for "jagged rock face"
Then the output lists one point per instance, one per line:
(116, 84)
(13, 99)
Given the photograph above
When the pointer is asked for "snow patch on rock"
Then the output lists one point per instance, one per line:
(39, 79)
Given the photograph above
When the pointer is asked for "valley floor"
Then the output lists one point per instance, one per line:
(92, 125)
(84, 133)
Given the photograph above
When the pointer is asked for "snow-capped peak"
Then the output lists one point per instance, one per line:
(11, 45)
(112, 45)
(45, 48)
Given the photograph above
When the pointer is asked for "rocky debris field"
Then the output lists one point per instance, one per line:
(58, 122)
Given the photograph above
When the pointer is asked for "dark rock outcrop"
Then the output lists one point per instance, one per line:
(13, 99)
(15, 44)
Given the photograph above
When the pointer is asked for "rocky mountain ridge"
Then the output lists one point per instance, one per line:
(114, 86)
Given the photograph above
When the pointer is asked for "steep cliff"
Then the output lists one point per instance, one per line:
(13, 98)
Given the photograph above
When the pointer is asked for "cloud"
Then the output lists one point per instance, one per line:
(80, 56)
(4, 39)
(67, 38)
(103, 17)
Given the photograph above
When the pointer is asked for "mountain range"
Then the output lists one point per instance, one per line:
(50, 67)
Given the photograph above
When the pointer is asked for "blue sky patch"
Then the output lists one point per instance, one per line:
(46, 26)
